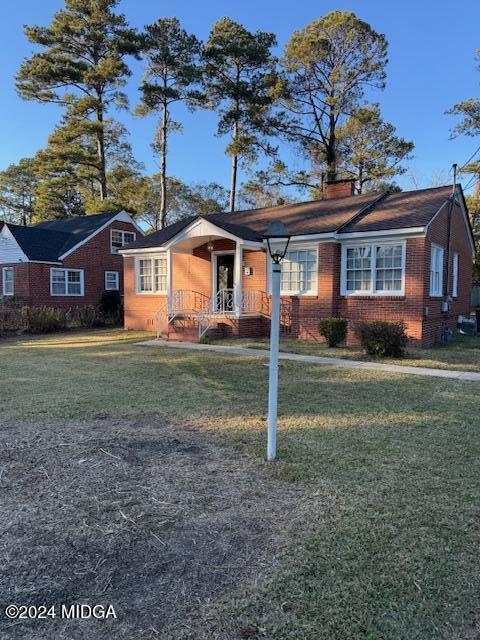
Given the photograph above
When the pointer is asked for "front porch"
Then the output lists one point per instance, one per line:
(217, 286)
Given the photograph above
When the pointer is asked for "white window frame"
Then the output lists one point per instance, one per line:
(372, 292)
(67, 294)
(296, 246)
(151, 257)
(5, 270)
(455, 274)
(115, 250)
(117, 281)
(438, 291)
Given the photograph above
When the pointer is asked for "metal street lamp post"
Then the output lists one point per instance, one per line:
(277, 238)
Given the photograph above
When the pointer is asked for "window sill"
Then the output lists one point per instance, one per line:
(374, 296)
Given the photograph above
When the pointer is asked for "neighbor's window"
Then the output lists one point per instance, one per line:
(66, 282)
(436, 270)
(119, 239)
(455, 276)
(7, 281)
(152, 274)
(111, 281)
(373, 269)
(299, 271)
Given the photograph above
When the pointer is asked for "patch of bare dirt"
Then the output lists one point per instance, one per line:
(158, 521)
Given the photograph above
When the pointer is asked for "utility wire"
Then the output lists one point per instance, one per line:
(460, 169)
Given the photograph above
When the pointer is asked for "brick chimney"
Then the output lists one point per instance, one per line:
(338, 189)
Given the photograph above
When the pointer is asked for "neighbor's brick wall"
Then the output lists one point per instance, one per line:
(94, 257)
(21, 280)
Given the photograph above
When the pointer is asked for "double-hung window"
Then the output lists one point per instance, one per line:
(66, 282)
(455, 276)
(436, 270)
(371, 269)
(299, 271)
(152, 274)
(7, 281)
(111, 281)
(119, 239)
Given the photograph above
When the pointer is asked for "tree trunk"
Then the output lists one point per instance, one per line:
(331, 150)
(102, 178)
(360, 179)
(163, 171)
(233, 181)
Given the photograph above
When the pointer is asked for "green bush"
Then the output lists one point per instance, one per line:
(382, 339)
(88, 316)
(334, 330)
(43, 319)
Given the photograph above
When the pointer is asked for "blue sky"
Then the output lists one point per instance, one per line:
(431, 66)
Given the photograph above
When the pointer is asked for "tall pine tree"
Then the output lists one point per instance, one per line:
(239, 78)
(171, 76)
(328, 65)
(81, 66)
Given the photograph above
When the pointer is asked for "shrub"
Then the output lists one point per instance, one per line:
(112, 307)
(10, 315)
(334, 330)
(110, 303)
(43, 319)
(382, 339)
(88, 316)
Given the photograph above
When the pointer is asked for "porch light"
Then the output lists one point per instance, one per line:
(210, 246)
(277, 238)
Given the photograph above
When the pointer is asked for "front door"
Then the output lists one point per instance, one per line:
(224, 283)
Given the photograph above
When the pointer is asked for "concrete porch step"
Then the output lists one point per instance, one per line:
(183, 335)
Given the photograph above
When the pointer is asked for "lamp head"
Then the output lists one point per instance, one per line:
(277, 238)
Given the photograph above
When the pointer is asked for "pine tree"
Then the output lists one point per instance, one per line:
(81, 67)
(369, 149)
(328, 64)
(18, 184)
(171, 76)
(239, 80)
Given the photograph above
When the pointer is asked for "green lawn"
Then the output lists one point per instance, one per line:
(389, 548)
(462, 353)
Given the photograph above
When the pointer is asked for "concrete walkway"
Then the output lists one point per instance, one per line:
(333, 362)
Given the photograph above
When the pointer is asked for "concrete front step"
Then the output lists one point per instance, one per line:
(183, 335)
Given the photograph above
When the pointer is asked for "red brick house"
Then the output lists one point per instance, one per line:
(65, 263)
(388, 256)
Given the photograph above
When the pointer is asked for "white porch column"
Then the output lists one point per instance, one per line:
(238, 271)
(169, 280)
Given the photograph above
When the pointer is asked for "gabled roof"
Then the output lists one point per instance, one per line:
(39, 244)
(353, 214)
(48, 241)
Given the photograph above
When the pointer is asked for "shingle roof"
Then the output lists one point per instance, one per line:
(366, 212)
(47, 241)
(39, 244)
(78, 228)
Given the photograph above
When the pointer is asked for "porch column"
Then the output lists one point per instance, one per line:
(169, 280)
(238, 278)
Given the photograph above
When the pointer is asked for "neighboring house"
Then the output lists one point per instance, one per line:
(65, 263)
(391, 256)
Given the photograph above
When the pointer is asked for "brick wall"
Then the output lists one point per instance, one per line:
(194, 272)
(438, 234)
(94, 257)
(21, 280)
